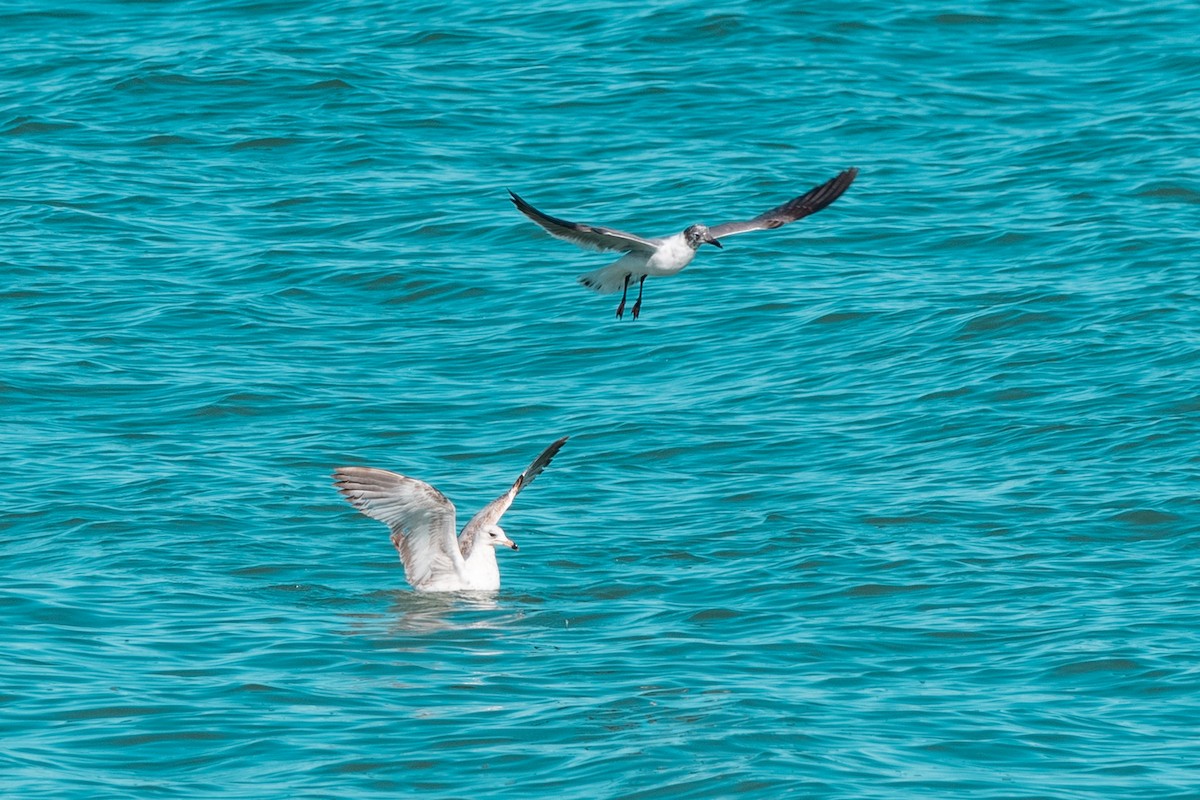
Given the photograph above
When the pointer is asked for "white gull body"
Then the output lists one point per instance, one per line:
(669, 256)
(665, 256)
(422, 521)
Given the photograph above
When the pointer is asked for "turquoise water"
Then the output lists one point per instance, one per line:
(899, 501)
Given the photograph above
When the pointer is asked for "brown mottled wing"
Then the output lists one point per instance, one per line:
(591, 237)
(809, 203)
(492, 512)
(422, 520)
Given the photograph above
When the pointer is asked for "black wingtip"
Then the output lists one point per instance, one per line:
(518, 201)
(846, 178)
(823, 195)
(540, 463)
(843, 179)
(553, 449)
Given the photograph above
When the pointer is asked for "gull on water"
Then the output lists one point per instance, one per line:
(422, 521)
(660, 257)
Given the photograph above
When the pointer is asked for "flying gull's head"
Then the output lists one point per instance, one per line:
(697, 235)
(495, 536)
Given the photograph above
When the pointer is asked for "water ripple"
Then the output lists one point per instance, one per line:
(900, 500)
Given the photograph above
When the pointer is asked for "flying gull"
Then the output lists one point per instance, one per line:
(422, 521)
(665, 256)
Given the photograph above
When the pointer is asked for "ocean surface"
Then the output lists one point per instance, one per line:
(899, 501)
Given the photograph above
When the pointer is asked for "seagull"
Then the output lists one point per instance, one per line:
(422, 520)
(665, 256)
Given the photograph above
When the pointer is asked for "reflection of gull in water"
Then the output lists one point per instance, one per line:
(431, 612)
(412, 612)
(661, 257)
(422, 520)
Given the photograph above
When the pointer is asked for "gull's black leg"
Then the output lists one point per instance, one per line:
(637, 306)
(621, 308)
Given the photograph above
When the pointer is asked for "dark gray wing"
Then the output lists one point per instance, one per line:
(421, 519)
(492, 512)
(591, 237)
(809, 203)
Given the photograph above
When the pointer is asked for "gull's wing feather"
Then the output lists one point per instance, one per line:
(808, 203)
(492, 512)
(421, 519)
(591, 237)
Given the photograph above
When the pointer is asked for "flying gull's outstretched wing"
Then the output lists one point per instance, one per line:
(492, 512)
(591, 237)
(809, 203)
(421, 519)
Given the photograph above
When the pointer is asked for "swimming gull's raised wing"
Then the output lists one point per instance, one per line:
(592, 237)
(808, 203)
(421, 518)
(492, 512)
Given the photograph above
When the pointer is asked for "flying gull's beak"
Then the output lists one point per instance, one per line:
(711, 240)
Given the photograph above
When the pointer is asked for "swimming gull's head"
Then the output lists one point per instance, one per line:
(496, 537)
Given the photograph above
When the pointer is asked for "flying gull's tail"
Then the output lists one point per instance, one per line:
(606, 280)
